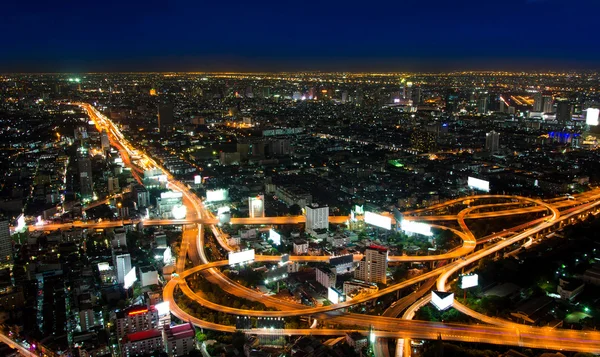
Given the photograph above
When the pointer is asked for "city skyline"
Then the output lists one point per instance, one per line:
(238, 36)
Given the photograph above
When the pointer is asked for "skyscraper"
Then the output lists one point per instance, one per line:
(482, 103)
(547, 103)
(123, 265)
(316, 217)
(5, 243)
(563, 112)
(85, 173)
(374, 266)
(492, 141)
(165, 117)
(538, 102)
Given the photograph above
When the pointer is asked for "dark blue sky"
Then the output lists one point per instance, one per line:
(299, 35)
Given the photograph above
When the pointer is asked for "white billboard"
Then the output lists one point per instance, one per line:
(416, 227)
(275, 237)
(170, 194)
(241, 257)
(103, 266)
(442, 300)
(378, 220)
(469, 281)
(334, 296)
(217, 195)
(130, 278)
(179, 212)
(162, 308)
(197, 179)
(591, 117)
(478, 184)
(167, 256)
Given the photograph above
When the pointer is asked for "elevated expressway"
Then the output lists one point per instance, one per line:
(384, 327)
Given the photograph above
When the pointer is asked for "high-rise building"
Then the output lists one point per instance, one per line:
(136, 319)
(113, 185)
(548, 103)
(423, 140)
(180, 340)
(6, 257)
(416, 96)
(85, 174)
(256, 206)
(123, 266)
(373, 268)
(482, 103)
(538, 102)
(165, 117)
(86, 317)
(563, 112)
(492, 141)
(104, 141)
(316, 217)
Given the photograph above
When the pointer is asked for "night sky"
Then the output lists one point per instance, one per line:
(231, 35)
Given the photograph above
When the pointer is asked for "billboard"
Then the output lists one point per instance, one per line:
(162, 308)
(416, 227)
(442, 300)
(591, 117)
(334, 296)
(103, 266)
(179, 212)
(469, 281)
(197, 179)
(217, 195)
(256, 206)
(130, 278)
(241, 257)
(478, 184)
(378, 220)
(359, 210)
(275, 237)
(170, 194)
(167, 256)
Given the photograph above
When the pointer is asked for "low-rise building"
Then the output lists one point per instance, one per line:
(300, 247)
(568, 289)
(325, 277)
(142, 343)
(180, 339)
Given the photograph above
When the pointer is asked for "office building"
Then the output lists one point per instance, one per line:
(256, 206)
(142, 343)
(563, 112)
(326, 277)
(167, 201)
(142, 196)
(85, 174)
(122, 264)
(423, 140)
(316, 218)
(104, 142)
(538, 102)
(165, 117)
(548, 103)
(180, 340)
(492, 142)
(373, 268)
(136, 319)
(86, 317)
(113, 185)
(482, 103)
(6, 257)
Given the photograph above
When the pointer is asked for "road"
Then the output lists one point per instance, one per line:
(384, 326)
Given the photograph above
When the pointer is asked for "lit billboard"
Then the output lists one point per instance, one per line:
(442, 300)
(275, 237)
(416, 227)
(217, 195)
(469, 281)
(378, 220)
(162, 308)
(103, 266)
(359, 210)
(334, 296)
(179, 212)
(591, 117)
(241, 257)
(130, 278)
(167, 256)
(478, 184)
(197, 179)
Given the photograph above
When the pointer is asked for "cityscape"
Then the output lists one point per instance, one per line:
(272, 179)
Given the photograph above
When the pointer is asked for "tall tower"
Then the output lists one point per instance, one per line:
(492, 141)
(165, 117)
(374, 266)
(538, 102)
(85, 173)
(6, 257)
(563, 112)
(547, 103)
(482, 103)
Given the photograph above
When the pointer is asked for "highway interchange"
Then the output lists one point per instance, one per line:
(491, 330)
